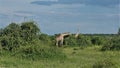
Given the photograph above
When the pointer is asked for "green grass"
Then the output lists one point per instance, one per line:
(77, 57)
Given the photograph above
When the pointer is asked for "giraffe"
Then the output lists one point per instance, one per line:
(77, 33)
(60, 38)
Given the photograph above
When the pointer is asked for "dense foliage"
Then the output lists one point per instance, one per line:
(15, 35)
(107, 41)
(88, 39)
(113, 44)
(24, 44)
(26, 41)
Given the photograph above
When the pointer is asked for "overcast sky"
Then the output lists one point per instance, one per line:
(56, 16)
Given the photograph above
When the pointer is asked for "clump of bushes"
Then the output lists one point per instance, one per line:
(106, 63)
(71, 41)
(87, 40)
(98, 40)
(15, 35)
(80, 41)
(113, 44)
(42, 51)
(84, 41)
(45, 38)
(26, 41)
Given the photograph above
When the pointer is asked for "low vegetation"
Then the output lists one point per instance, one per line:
(106, 63)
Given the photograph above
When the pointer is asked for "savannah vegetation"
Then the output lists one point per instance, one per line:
(25, 46)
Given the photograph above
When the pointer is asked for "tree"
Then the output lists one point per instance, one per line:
(29, 30)
(10, 38)
(12, 30)
(15, 35)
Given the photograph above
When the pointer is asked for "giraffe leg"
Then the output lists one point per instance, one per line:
(61, 43)
(57, 43)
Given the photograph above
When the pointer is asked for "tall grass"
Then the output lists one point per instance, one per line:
(76, 58)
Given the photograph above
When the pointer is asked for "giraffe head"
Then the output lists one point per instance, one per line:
(66, 34)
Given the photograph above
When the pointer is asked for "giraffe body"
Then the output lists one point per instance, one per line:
(60, 38)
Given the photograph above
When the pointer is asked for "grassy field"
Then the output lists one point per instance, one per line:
(77, 57)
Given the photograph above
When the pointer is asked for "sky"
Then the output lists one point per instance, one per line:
(58, 16)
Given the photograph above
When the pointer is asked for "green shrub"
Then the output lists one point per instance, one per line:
(98, 40)
(71, 41)
(80, 41)
(29, 31)
(45, 38)
(113, 44)
(10, 43)
(15, 35)
(40, 51)
(84, 41)
(111, 47)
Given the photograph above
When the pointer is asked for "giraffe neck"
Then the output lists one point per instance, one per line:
(65, 34)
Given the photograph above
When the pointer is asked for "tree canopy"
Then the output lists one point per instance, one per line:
(15, 35)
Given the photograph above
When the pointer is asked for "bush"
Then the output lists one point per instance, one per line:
(111, 47)
(15, 35)
(80, 41)
(45, 38)
(71, 41)
(84, 41)
(10, 43)
(106, 63)
(113, 44)
(98, 40)
(40, 51)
